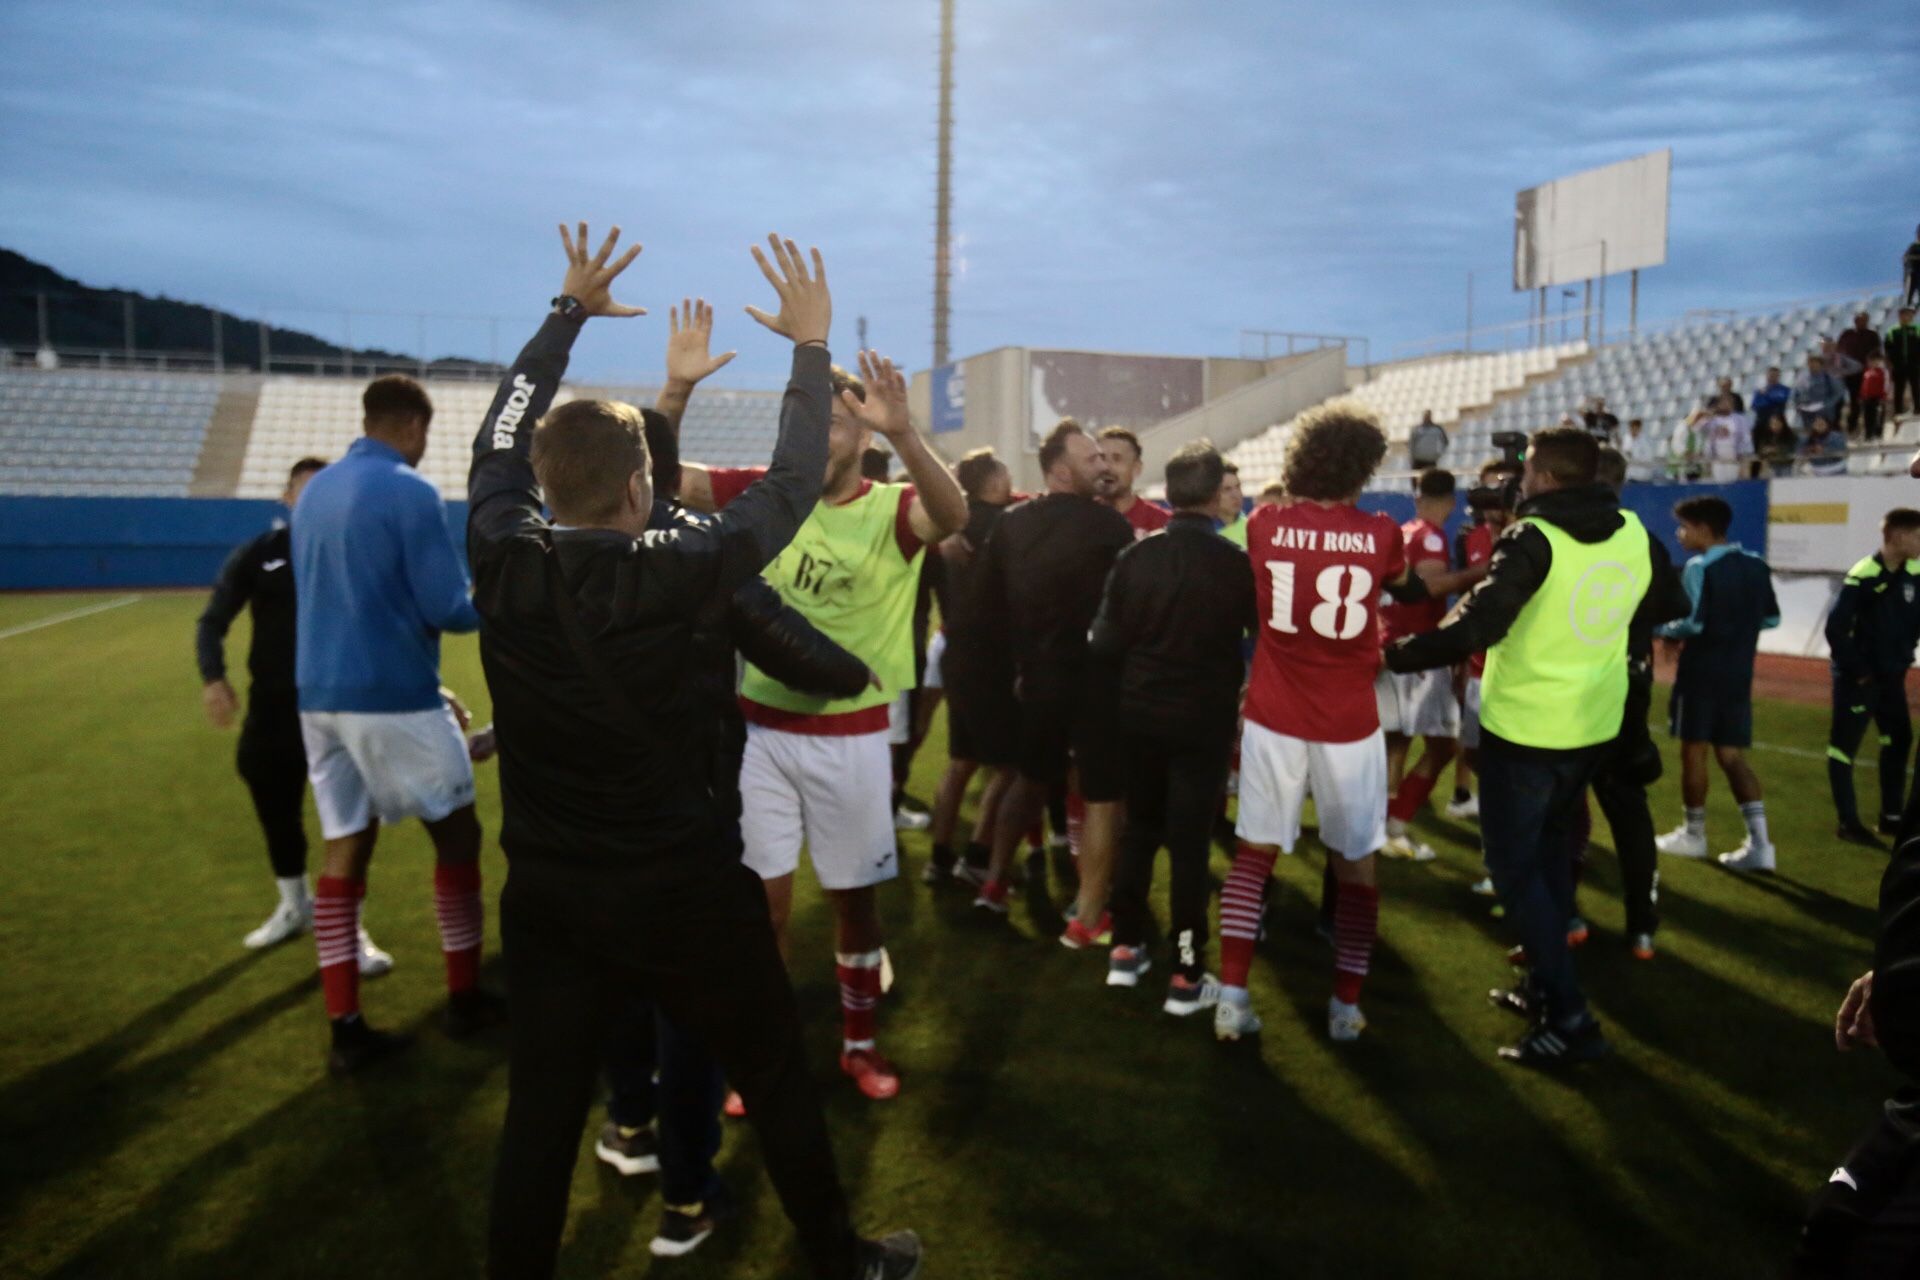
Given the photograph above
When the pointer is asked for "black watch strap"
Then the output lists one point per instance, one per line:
(569, 306)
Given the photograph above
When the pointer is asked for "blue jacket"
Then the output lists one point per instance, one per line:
(1733, 602)
(379, 578)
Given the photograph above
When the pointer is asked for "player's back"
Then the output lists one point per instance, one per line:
(1051, 555)
(1318, 570)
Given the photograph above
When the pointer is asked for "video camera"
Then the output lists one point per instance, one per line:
(1504, 496)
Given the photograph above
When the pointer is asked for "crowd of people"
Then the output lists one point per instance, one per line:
(700, 674)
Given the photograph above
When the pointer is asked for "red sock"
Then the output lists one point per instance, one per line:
(1076, 817)
(336, 935)
(859, 994)
(456, 904)
(1036, 836)
(1240, 901)
(1414, 790)
(1356, 921)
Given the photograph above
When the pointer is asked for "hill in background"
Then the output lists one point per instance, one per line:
(82, 316)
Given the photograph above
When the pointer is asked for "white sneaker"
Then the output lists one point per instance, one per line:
(911, 820)
(287, 921)
(1484, 887)
(1408, 850)
(1345, 1022)
(1231, 1021)
(373, 961)
(1468, 808)
(1748, 858)
(1682, 843)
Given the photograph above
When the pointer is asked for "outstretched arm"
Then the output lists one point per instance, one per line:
(690, 333)
(230, 593)
(502, 495)
(939, 507)
(1520, 563)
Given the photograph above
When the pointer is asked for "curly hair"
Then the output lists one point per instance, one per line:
(1333, 451)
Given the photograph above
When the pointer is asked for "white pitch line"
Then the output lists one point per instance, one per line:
(1802, 752)
(68, 616)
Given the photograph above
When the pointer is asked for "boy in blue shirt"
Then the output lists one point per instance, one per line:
(1712, 700)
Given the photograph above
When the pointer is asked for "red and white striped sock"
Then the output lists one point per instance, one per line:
(1240, 900)
(1356, 921)
(1076, 819)
(859, 976)
(336, 935)
(456, 905)
(1413, 792)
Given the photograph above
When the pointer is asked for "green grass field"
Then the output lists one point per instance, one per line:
(164, 1112)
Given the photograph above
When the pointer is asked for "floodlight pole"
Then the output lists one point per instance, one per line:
(943, 195)
(1633, 303)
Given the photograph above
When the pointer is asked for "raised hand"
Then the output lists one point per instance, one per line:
(691, 332)
(589, 278)
(885, 408)
(806, 307)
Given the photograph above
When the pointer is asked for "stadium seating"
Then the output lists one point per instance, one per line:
(70, 434)
(321, 416)
(1451, 386)
(1662, 377)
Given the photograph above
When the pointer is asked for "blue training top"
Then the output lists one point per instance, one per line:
(1733, 602)
(378, 579)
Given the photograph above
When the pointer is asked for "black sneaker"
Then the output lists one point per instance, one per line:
(471, 1012)
(896, 1257)
(1549, 1046)
(1857, 833)
(631, 1151)
(684, 1228)
(939, 868)
(357, 1045)
(1515, 1000)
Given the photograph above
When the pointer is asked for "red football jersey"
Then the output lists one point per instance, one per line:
(1478, 549)
(1146, 517)
(1317, 575)
(1425, 542)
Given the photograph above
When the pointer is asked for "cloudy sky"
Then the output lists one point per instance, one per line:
(1130, 175)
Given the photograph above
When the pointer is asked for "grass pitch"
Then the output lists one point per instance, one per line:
(164, 1112)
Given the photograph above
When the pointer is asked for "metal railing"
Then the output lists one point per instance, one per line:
(1269, 341)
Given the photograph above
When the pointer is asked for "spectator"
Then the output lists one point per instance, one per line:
(1643, 455)
(1902, 348)
(1776, 445)
(1426, 443)
(1683, 447)
(1817, 394)
(1873, 397)
(1858, 344)
(1600, 424)
(1724, 388)
(1825, 448)
(1572, 421)
(1910, 263)
(1726, 441)
(1771, 400)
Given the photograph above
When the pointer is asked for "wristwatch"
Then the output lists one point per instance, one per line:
(568, 307)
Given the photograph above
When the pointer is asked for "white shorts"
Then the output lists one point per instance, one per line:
(936, 650)
(388, 765)
(835, 794)
(1417, 704)
(1470, 714)
(1348, 782)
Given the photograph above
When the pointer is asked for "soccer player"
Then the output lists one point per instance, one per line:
(819, 771)
(1312, 724)
(1554, 612)
(1047, 563)
(982, 717)
(1421, 703)
(1731, 593)
(1166, 646)
(1122, 450)
(1871, 632)
(272, 760)
(379, 579)
(601, 653)
(1233, 500)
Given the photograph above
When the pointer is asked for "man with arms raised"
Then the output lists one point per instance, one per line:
(611, 770)
(818, 770)
(378, 579)
(1312, 724)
